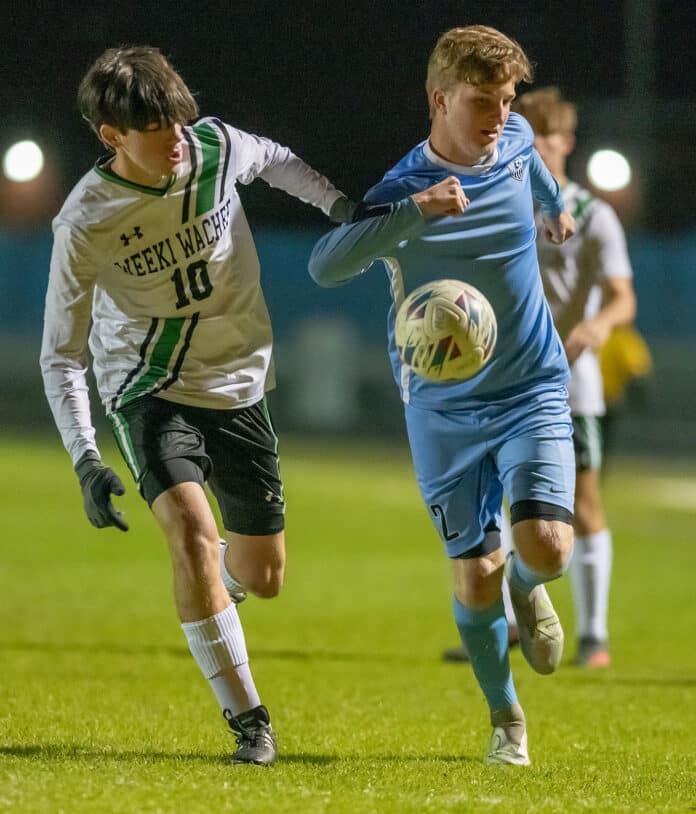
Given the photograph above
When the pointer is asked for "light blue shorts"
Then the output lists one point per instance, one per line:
(466, 459)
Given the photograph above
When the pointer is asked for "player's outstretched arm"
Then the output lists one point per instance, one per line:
(350, 250)
(279, 167)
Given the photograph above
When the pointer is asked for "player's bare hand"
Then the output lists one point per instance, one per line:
(445, 198)
(592, 333)
(559, 229)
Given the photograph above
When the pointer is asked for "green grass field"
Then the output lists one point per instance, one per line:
(103, 710)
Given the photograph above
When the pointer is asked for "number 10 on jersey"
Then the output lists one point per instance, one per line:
(194, 284)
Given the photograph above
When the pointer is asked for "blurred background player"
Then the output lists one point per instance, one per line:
(460, 205)
(152, 246)
(588, 283)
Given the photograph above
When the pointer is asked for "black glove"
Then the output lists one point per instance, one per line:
(342, 210)
(98, 483)
(363, 210)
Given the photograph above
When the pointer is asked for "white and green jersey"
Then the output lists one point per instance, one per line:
(169, 279)
(573, 274)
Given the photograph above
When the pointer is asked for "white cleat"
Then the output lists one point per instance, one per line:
(541, 634)
(503, 750)
(508, 744)
(235, 589)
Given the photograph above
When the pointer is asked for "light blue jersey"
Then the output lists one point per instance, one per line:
(491, 246)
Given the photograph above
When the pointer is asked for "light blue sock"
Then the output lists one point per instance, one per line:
(521, 577)
(485, 636)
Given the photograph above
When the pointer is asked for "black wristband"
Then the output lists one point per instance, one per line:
(364, 210)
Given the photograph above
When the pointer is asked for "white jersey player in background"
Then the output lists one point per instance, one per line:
(588, 284)
(153, 248)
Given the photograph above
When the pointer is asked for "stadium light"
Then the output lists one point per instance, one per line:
(609, 170)
(23, 161)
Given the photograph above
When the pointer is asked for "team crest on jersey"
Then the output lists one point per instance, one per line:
(136, 233)
(516, 168)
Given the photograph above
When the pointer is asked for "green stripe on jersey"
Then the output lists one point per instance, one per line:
(159, 360)
(119, 425)
(210, 147)
(582, 206)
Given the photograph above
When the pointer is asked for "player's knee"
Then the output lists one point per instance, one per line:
(556, 547)
(551, 548)
(265, 585)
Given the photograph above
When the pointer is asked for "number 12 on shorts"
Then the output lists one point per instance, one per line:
(439, 514)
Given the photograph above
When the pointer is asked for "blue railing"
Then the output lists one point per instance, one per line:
(665, 277)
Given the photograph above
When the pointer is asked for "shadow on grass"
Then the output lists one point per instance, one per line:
(64, 751)
(61, 752)
(256, 653)
(578, 676)
(96, 647)
(367, 758)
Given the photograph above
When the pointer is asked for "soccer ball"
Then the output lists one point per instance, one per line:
(446, 331)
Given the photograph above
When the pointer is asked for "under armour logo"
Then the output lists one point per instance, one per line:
(135, 233)
(516, 168)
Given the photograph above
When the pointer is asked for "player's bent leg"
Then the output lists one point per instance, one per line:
(543, 549)
(257, 561)
(235, 589)
(544, 545)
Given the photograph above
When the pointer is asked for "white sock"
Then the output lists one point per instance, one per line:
(590, 574)
(236, 695)
(506, 546)
(218, 646)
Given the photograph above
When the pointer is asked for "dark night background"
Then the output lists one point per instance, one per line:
(342, 83)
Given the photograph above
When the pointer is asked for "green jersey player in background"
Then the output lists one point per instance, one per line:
(588, 283)
(153, 248)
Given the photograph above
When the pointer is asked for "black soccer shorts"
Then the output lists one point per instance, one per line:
(235, 451)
